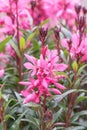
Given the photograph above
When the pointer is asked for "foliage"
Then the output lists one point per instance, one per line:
(43, 65)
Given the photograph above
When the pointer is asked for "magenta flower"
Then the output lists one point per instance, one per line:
(44, 80)
(3, 60)
(10, 51)
(36, 10)
(9, 16)
(1, 73)
(77, 49)
(60, 9)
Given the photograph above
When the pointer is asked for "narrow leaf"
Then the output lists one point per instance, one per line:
(4, 42)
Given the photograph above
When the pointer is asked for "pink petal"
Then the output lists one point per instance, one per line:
(30, 98)
(25, 93)
(61, 67)
(60, 86)
(28, 65)
(44, 83)
(25, 83)
(31, 59)
(56, 91)
(65, 44)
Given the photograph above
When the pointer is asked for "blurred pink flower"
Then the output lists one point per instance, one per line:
(3, 60)
(38, 11)
(3, 63)
(1, 73)
(10, 51)
(60, 10)
(76, 48)
(9, 16)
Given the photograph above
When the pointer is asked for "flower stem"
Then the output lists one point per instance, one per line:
(19, 59)
(43, 110)
(2, 114)
(71, 102)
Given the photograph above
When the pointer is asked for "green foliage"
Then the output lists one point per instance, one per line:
(4, 42)
(19, 116)
(75, 66)
(16, 49)
(22, 43)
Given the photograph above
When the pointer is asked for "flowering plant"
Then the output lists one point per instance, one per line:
(43, 65)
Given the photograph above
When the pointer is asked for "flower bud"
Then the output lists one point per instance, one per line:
(81, 21)
(84, 10)
(56, 32)
(33, 4)
(43, 34)
(77, 8)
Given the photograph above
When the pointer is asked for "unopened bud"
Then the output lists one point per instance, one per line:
(56, 32)
(33, 4)
(43, 33)
(84, 10)
(81, 22)
(77, 8)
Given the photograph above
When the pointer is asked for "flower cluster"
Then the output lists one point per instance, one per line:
(43, 77)
(77, 45)
(60, 9)
(36, 11)
(77, 49)
(9, 11)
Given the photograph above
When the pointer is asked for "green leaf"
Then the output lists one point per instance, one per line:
(8, 116)
(15, 125)
(16, 49)
(80, 98)
(6, 104)
(81, 68)
(31, 104)
(77, 83)
(75, 128)
(33, 121)
(22, 43)
(31, 36)
(58, 98)
(4, 42)
(66, 53)
(57, 115)
(81, 123)
(61, 73)
(77, 115)
(44, 22)
(35, 45)
(75, 66)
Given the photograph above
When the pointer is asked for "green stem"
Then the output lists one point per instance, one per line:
(19, 59)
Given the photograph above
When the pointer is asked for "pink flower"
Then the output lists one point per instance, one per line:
(45, 81)
(9, 16)
(1, 73)
(10, 51)
(3, 60)
(60, 9)
(77, 49)
(36, 11)
(30, 97)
